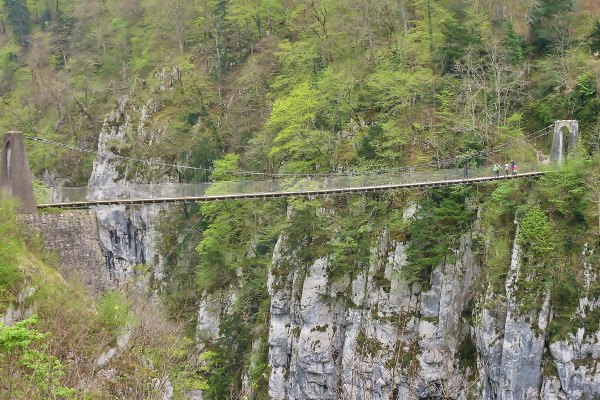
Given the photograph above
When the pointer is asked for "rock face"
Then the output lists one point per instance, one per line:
(128, 234)
(511, 345)
(577, 358)
(371, 334)
(375, 336)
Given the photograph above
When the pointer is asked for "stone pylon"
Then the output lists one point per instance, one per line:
(15, 175)
(561, 145)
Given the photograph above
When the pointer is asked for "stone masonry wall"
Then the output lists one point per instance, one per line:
(73, 236)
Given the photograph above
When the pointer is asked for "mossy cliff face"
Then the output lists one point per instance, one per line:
(498, 316)
(374, 335)
(128, 235)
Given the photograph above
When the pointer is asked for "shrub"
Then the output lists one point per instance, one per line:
(440, 221)
(10, 248)
(113, 311)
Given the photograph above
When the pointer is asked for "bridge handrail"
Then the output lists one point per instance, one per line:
(244, 187)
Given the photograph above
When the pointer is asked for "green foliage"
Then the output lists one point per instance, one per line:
(285, 86)
(19, 18)
(514, 44)
(232, 224)
(26, 370)
(113, 312)
(546, 22)
(499, 210)
(10, 249)
(366, 149)
(586, 101)
(236, 252)
(586, 85)
(504, 199)
(467, 354)
(34, 363)
(595, 37)
(223, 168)
(459, 34)
(18, 337)
(394, 88)
(553, 216)
(440, 221)
(46, 373)
(352, 234)
(261, 15)
(565, 188)
(539, 245)
(297, 133)
(565, 293)
(537, 237)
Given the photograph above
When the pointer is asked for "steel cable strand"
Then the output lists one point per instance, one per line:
(411, 168)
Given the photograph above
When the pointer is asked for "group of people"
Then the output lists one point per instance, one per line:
(513, 168)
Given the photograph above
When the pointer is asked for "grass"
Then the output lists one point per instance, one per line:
(11, 248)
(113, 312)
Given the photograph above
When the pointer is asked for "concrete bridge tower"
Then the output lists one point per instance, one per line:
(566, 137)
(15, 175)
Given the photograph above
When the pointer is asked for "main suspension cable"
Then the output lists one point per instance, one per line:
(430, 164)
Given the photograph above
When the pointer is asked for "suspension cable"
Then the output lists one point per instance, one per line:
(449, 161)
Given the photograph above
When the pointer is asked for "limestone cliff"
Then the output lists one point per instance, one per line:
(375, 336)
(128, 234)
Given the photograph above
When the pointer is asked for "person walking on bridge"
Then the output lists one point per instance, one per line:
(512, 167)
(506, 170)
(466, 171)
(496, 170)
(515, 169)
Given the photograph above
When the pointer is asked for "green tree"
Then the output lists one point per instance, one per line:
(26, 371)
(19, 18)
(514, 45)
(440, 221)
(595, 38)
(299, 140)
(459, 36)
(260, 16)
(548, 24)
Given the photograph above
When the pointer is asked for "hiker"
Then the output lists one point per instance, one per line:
(506, 170)
(515, 169)
(466, 171)
(496, 170)
(512, 166)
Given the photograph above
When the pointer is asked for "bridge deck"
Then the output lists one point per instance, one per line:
(278, 194)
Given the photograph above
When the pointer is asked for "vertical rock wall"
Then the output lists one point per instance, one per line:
(128, 234)
(511, 343)
(373, 337)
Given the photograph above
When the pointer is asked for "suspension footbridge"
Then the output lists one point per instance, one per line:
(261, 185)
(304, 187)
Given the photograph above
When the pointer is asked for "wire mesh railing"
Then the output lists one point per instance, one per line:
(117, 191)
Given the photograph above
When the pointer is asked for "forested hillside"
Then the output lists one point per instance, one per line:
(487, 292)
(300, 86)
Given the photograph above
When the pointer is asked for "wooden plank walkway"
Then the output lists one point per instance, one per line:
(271, 195)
